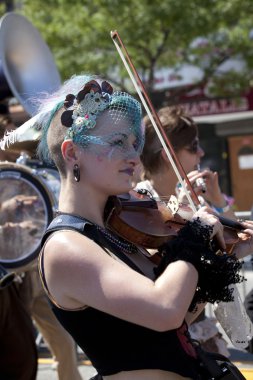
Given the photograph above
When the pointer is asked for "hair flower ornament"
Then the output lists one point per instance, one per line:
(82, 110)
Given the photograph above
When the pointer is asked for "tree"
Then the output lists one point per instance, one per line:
(156, 33)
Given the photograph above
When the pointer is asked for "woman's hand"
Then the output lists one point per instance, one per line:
(207, 217)
(212, 192)
(245, 246)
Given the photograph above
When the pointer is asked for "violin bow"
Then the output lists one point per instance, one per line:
(155, 120)
(243, 334)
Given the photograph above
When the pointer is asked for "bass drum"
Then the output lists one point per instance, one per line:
(28, 199)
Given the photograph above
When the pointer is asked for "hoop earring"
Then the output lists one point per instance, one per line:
(76, 172)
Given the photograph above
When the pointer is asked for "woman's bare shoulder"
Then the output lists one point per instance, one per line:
(69, 244)
(70, 259)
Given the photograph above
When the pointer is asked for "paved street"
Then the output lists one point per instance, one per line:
(45, 371)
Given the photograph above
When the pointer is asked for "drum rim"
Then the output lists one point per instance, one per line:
(29, 175)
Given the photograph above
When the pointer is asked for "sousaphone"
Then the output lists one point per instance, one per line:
(28, 67)
(28, 64)
(29, 193)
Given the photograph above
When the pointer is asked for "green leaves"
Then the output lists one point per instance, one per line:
(156, 33)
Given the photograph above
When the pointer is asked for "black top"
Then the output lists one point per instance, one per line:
(112, 344)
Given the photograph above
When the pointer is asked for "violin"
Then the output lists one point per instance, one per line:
(139, 218)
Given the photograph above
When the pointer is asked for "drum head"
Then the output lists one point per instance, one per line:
(25, 212)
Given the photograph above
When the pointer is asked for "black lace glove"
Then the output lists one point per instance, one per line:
(216, 272)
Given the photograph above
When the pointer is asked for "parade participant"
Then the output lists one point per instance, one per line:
(25, 300)
(18, 359)
(18, 352)
(102, 288)
(183, 135)
(161, 181)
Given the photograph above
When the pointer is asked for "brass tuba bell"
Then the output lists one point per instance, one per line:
(27, 62)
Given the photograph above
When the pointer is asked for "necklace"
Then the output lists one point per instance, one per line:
(120, 243)
(123, 245)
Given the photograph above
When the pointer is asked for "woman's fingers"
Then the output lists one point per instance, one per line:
(248, 224)
(207, 217)
(245, 245)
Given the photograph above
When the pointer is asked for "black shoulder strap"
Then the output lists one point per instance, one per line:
(65, 221)
(77, 223)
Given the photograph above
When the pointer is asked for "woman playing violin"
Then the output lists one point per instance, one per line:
(130, 319)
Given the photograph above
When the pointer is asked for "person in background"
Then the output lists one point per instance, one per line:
(18, 352)
(161, 181)
(183, 135)
(30, 294)
(102, 287)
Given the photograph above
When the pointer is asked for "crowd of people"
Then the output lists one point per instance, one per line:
(100, 287)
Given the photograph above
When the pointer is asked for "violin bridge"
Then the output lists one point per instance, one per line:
(173, 204)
